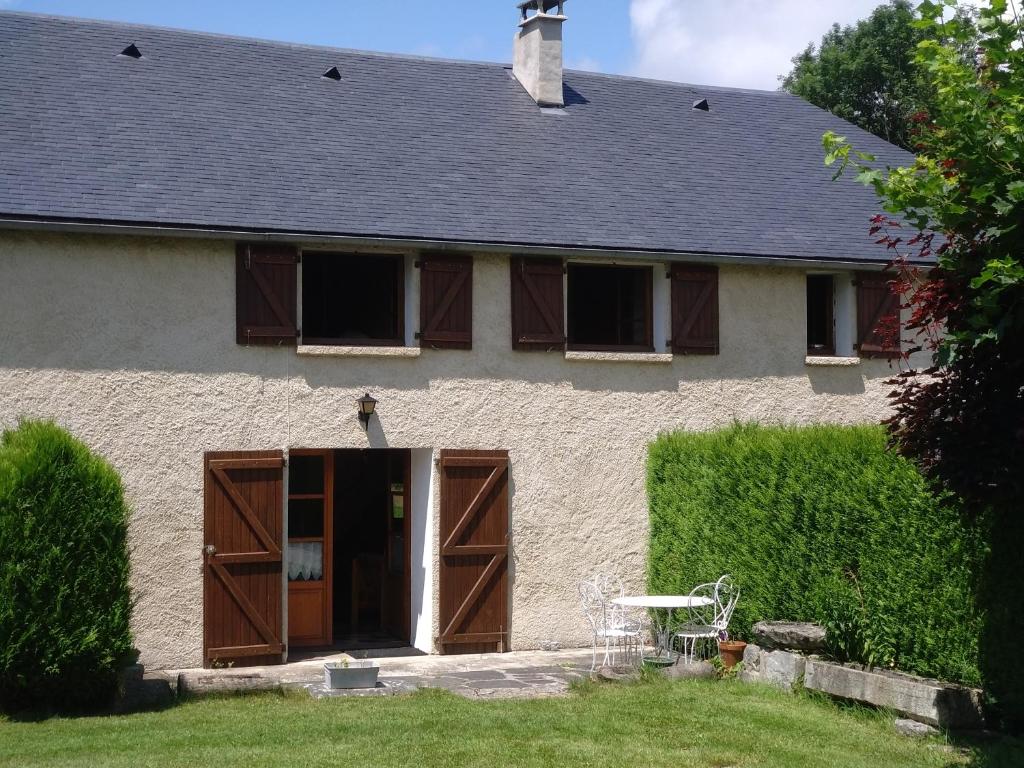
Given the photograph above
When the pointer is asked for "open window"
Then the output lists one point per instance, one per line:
(821, 332)
(353, 299)
(609, 308)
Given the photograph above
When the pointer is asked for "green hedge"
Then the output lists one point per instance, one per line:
(820, 524)
(65, 603)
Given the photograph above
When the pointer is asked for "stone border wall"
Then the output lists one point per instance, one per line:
(934, 703)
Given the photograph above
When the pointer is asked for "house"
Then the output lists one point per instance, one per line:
(217, 255)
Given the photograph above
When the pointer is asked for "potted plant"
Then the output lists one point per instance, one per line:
(730, 651)
(351, 674)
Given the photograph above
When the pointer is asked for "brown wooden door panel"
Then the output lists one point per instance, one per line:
(243, 531)
(694, 309)
(266, 298)
(878, 312)
(446, 301)
(538, 303)
(308, 615)
(474, 551)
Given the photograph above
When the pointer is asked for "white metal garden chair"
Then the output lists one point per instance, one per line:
(612, 626)
(709, 621)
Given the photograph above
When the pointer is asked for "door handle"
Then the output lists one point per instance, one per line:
(210, 550)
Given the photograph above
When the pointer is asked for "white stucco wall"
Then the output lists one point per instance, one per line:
(130, 344)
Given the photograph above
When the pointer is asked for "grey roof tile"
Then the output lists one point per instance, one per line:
(214, 131)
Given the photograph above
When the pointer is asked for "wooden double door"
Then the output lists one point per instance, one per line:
(248, 553)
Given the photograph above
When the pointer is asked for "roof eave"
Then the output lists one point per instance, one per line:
(134, 229)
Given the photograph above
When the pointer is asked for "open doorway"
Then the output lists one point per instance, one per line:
(349, 549)
(371, 549)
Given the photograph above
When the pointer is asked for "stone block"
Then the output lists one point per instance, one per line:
(139, 691)
(908, 727)
(927, 701)
(202, 682)
(790, 636)
(697, 670)
(751, 672)
(617, 674)
(780, 668)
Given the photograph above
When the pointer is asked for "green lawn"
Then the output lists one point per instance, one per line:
(646, 724)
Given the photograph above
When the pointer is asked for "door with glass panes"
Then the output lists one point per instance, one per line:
(310, 541)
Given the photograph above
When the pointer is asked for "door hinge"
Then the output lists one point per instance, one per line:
(417, 335)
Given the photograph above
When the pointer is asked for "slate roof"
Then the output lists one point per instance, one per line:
(223, 132)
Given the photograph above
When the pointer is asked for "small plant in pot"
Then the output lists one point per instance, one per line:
(351, 674)
(730, 651)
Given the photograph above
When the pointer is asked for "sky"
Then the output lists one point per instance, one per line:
(741, 43)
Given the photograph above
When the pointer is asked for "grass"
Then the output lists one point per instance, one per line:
(652, 724)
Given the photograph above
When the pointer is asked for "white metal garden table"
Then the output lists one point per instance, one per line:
(662, 605)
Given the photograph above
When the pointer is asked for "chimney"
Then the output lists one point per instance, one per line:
(537, 56)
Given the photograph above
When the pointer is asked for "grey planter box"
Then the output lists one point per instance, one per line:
(356, 674)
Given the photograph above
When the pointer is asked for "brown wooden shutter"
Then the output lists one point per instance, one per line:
(266, 278)
(878, 311)
(694, 309)
(538, 301)
(474, 551)
(446, 301)
(243, 531)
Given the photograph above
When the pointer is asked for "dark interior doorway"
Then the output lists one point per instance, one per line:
(371, 593)
(348, 550)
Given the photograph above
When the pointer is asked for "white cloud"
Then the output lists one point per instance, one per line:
(744, 43)
(427, 49)
(586, 63)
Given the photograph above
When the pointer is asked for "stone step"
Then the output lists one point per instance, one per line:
(204, 682)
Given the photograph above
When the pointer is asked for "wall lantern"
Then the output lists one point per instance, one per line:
(366, 405)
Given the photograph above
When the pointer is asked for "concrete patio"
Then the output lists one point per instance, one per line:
(519, 674)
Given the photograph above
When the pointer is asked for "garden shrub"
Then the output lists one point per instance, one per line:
(821, 524)
(65, 603)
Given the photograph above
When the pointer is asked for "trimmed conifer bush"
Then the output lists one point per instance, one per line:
(65, 602)
(821, 524)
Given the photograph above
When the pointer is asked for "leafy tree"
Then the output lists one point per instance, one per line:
(962, 418)
(867, 73)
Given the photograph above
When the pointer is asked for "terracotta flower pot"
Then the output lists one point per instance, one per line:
(731, 652)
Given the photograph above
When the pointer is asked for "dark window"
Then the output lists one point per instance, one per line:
(820, 332)
(353, 299)
(609, 308)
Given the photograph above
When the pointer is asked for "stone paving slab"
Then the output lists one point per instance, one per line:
(516, 674)
(384, 688)
(473, 684)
